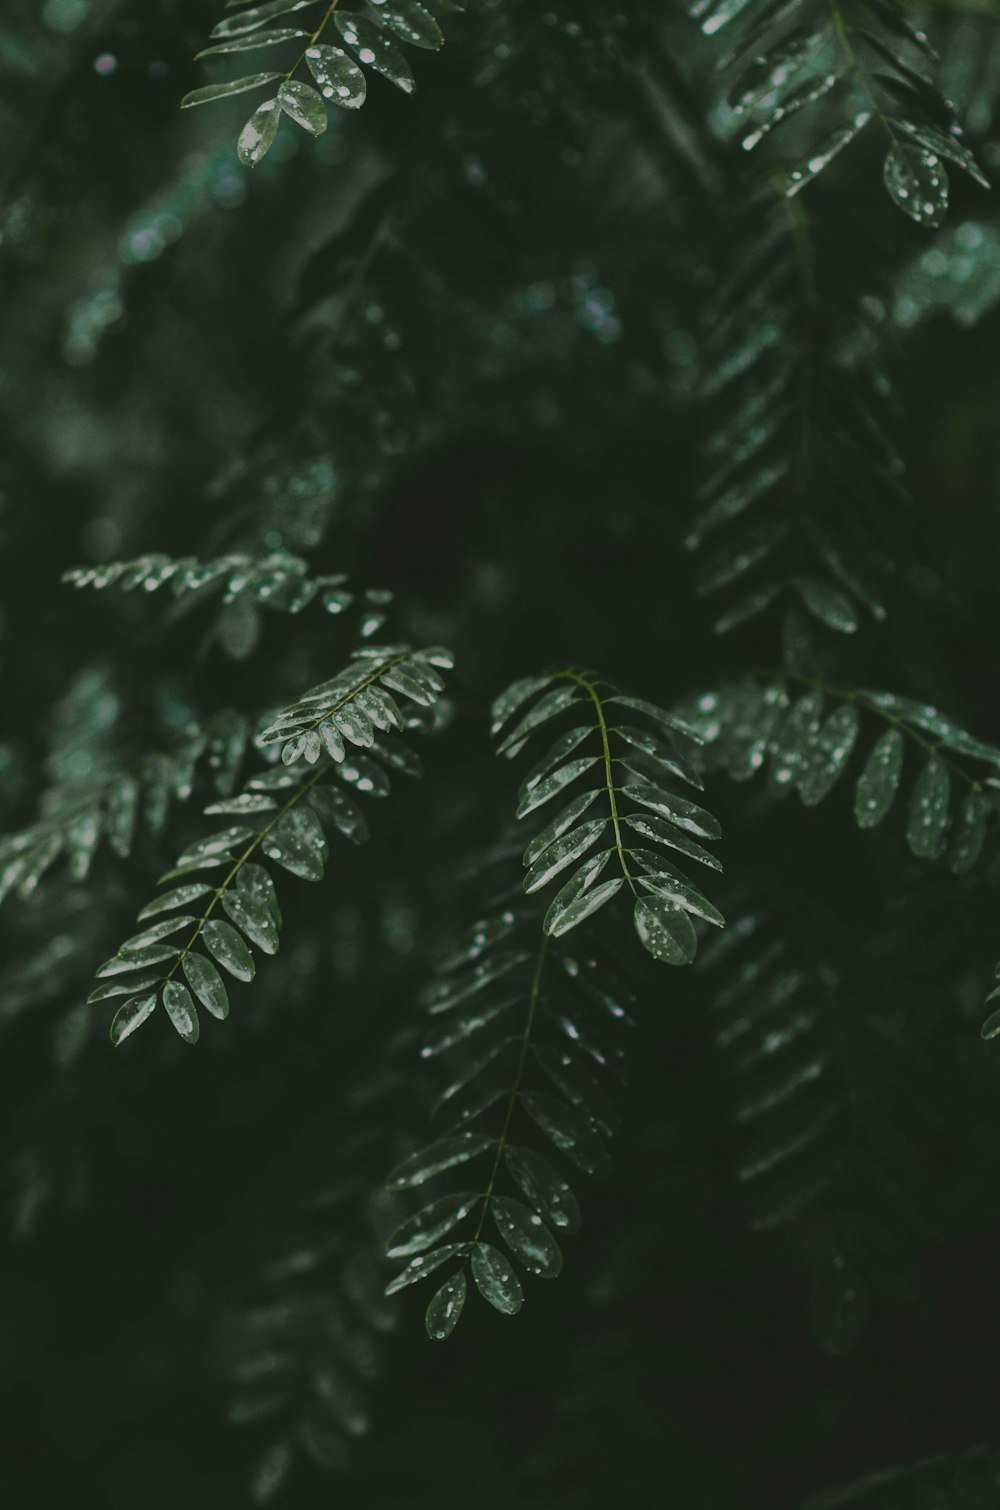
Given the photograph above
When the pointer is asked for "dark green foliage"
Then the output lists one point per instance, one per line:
(597, 344)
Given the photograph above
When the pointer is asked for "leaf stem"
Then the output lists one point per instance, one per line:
(590, 688)
(314, 38)
(515, 1089)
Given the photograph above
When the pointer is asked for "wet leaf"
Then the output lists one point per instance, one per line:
(181, 1010)
(825, 603)
(495, 1279)
(211, 92)
(527, 1236)
(301, 103)
(544, 1186)
(131, 1015)
(257, 137)
(917, 182)
(445, 1308)
(879, 781)
(428, 1225)
(338, 78)
(569, 1130)
(207, 984)
(228, 947)
(665, 930)
(927, 816)
(437, 1157)
(423, 1265)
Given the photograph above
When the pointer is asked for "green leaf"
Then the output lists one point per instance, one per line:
(376, 50)
(437, 1157)
(298, 843)
(544, 1186)
(822, 156)
(944, 145)
(563, 852)
(339, 78)
(253, 916)
(681, 894)
(513, 697)
(652, 826)
(677, 810)
(155, 954)
(428, 1225)
(991, 1027)
(555, 755)
(445, 1308)
(879, 781)
(229, 949)
(826, 604)
(552, 785)
(527, 1236)
(424, 1264)
(658, 715)
(969, 833)
(257, 137)
(181, 1010)
(495, 1279)
(410, 22)
(917, 182)
(665, 930)
(256, 16)
(120, 815)
(222, 91)
(181, 896)
(132, 1014)
(927, 816)
(571, 1133)
(339, 810)
(154, 933)
(251, 41)
(547, 707)
(829, 755)
(567, 911)
(559, 824)
(207, 984)
(794, 741)
(138, 983)
(304, 106)
(217, 844)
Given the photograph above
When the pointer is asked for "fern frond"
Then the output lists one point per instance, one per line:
(805, 730)
(372, 34)
(79, 816)
(620, 766)
(512, 1009)
(840, 66)
(802, 485)
(818, 1081)
(344, 711)
(279, 581)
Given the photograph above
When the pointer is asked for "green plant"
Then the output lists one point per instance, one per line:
(607, 355)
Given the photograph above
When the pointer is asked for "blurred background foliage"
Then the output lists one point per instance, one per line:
(454, 349)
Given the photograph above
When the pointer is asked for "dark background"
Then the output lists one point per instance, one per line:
(478, 309)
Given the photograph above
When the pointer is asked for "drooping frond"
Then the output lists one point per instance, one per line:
(289, 806)
(372, 35)
(615, 768)
(519, 1021)
(834, 68)
(802, 484)
(804, 730)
